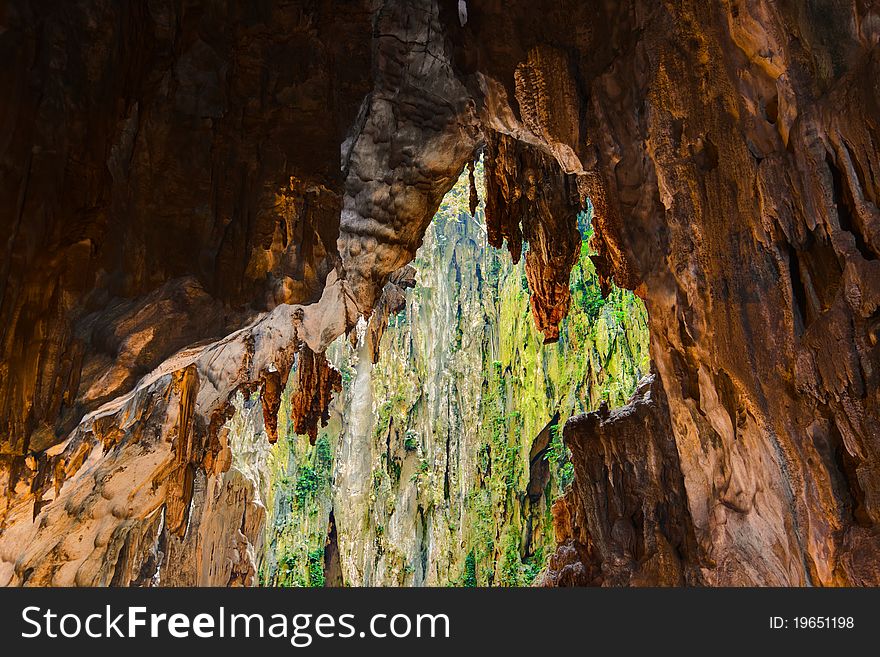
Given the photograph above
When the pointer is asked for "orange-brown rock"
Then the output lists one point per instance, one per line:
(144, 490)
(529, 198)
(416, 131)
(625, 521)
(201, 187)
(168, 171)
(316, 382)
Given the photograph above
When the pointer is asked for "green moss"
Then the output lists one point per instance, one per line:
(316, 567)
(307, 483)
(411, 441)
(470, 570)
(323, 453)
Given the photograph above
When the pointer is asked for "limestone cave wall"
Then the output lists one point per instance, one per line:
(198, 197)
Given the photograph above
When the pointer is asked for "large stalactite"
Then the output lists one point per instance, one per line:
(528, 198)
(178, 219)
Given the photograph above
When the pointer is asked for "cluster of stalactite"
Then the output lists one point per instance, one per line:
(528, 197)
(177, 224)
(315, 384)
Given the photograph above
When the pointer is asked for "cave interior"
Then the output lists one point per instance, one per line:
(233, 229)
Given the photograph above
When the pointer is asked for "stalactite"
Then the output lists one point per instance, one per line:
(473, 196)
(391, 301)
(529, 198)
(316, 382)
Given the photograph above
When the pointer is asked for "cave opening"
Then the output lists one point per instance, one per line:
(444, 451)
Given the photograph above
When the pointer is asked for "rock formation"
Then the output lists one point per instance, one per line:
(625, 522)
(191, 191)
(528, 197)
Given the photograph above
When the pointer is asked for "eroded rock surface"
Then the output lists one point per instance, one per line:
(154, 466)
(173, 180)
(416, 130)
(625, 521)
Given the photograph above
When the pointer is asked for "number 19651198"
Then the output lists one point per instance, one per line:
(813, 622)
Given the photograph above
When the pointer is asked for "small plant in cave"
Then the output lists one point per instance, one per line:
(566, 474)
(592, 301)
(323, 453)
(470, 570)
(307, 484)
(511, 562)
(558, 455)
(532, 566)
(377, 477)
(411, 441)
(288, 571)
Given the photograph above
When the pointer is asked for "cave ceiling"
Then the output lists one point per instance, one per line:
(198, 198)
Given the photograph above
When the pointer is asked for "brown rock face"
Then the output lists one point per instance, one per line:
(625, 521)
(728, 150)
(190, 191)
(167, 171)
(416, 130)
(391, 301)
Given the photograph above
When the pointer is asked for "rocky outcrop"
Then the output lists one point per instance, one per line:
(165, 184)
(167, 173)
(416, 130)
(151, 454)
(391, 302)
(198, 197)
(625, 521)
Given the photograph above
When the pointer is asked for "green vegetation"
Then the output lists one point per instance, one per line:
(558, 456)
(316, 567)
(300, 505)
(411, 441)
(306, 484)
(470, 570)
(508, 384)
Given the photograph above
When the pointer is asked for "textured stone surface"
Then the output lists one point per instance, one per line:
(416, 130)
(161, 451)
(171, 173)
(625, 522)
(168, 169)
